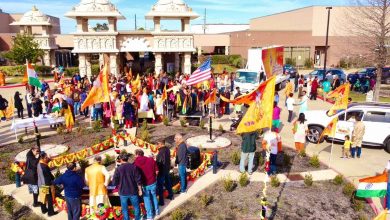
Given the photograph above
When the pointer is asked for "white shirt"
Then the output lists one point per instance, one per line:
(272, 140)
(290, 104)
(388, 166)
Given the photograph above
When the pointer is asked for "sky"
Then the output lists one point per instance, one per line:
(218, 11)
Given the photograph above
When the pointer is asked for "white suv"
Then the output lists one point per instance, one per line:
(375, 116)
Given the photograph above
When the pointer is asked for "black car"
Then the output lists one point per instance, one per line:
(289, 69)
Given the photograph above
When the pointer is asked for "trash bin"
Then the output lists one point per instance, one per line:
(193, 158)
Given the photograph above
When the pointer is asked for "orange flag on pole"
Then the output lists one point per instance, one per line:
(25, 78)
(259, 114)
(212, 98)
(164, 94)
(250, 97)
(341, 94)
(99, 92)
(330, 130)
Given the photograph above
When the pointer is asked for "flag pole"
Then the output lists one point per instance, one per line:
(331, 152)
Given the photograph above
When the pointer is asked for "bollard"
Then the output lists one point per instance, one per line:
(124, 139)
(215, 162)
(17, 180)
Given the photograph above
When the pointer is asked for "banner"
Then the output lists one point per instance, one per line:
(273, 60)
(259, 114)
(341, 95)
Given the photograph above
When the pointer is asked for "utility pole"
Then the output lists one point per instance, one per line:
(326, 41)
(135, 21)
(204, 22)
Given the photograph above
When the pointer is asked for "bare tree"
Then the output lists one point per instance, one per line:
(370, 23)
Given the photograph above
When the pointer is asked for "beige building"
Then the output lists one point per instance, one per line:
(302, 32)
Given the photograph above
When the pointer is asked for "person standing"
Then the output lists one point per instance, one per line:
(314, 87)
(129, 181)
(149, 172)
(296, 79)
(97, 179)
(288, 90)
(248, 149)
(301, 82)
(164, 166)
(276, 117)
(45, 184)
(76, 96)
(73, 185)
(18, 104)
(303, 102)
(3, 108)
(30, 176)
(290, 107)
(388, 186)
(29, 98)
(181, 161)
(67, 112)
(326, 88)
(300, 130)
(270, 143)
(359, 130)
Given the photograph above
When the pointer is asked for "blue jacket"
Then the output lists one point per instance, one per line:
(73, 184)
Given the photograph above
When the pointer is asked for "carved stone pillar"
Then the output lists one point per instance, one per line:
(88, 65)
(227, 50)
(177, 62)
(158, 63)
(199, 50)
(187, 63)
(82, 65)
(101, 59)
(53, 57)
(46, 58)
(114, 65)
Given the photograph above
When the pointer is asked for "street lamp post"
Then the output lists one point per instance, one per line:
(326, 41)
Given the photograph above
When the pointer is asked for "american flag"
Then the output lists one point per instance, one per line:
(201, 74)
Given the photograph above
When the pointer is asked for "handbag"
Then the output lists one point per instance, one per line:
(28, 176)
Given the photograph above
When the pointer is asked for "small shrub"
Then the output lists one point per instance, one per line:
(2, 196)
(286, 160)
(228, 184)
(205, 199)
(10, 175)
(202, 124)
(349, 189)
(60, 130)
(243, 180)
(236, 158)
(178, 214)
(275, 182)
(145, 135)
(314, 161)
(83, 163)
(165, 120)
(97, 126)
(309, 63)
(108, 160)
(302, 153)
(9, 205)
(338, 180)
(362, 217)
(261, 160)
(21, 139)
(308, 180)
(183, 122)
(291, 61)
(220, 128)
(57, 173)
(357, 205)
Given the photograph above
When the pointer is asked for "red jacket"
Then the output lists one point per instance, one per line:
(148, 168)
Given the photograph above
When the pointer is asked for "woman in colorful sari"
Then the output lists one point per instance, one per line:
(67, 113)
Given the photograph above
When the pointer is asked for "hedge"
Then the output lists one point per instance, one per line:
(224, 59)
(43, 70)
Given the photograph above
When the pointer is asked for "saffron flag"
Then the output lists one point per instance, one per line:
(330, 129)
(25, 78)
(250, 97)
(9, 112)
(259, 114)
(201, 74)
(164, 94)
(382, 215)
(136, 85)
(341, 95)
(212, 98)
(375, 186)
(32, 76)
(99, 92)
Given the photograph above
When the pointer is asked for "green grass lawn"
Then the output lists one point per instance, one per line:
(359, 97)
(18, 79)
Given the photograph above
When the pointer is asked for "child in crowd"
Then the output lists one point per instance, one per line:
(347, 147)
(290, 106)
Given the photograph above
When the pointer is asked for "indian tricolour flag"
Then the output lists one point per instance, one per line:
(56, 107)
(375, 186)
(32, 76)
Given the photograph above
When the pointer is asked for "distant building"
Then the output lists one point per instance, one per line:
(217, 28)
(302, 32)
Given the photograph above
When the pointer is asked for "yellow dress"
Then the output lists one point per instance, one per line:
(68, 117)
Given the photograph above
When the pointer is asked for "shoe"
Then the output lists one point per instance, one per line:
(157, 213)
(170, 197)
(52, 214)
(44, 212)
(36, 205)
(358, 157)
(250, 174)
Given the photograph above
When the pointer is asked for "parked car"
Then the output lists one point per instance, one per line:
(368, 73)
(375, 116)
(320, 74)
(289, 69)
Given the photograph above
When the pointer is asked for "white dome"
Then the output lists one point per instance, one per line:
(95, 8)
(33, 17)
(171, 9)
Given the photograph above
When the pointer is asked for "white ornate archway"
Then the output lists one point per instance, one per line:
(135, 44)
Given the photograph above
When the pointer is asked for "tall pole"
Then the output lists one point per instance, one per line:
(204, 22)
(135, 22)
(326, 41)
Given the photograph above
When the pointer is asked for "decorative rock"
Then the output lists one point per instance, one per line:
(202, 141)
(51, 149)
